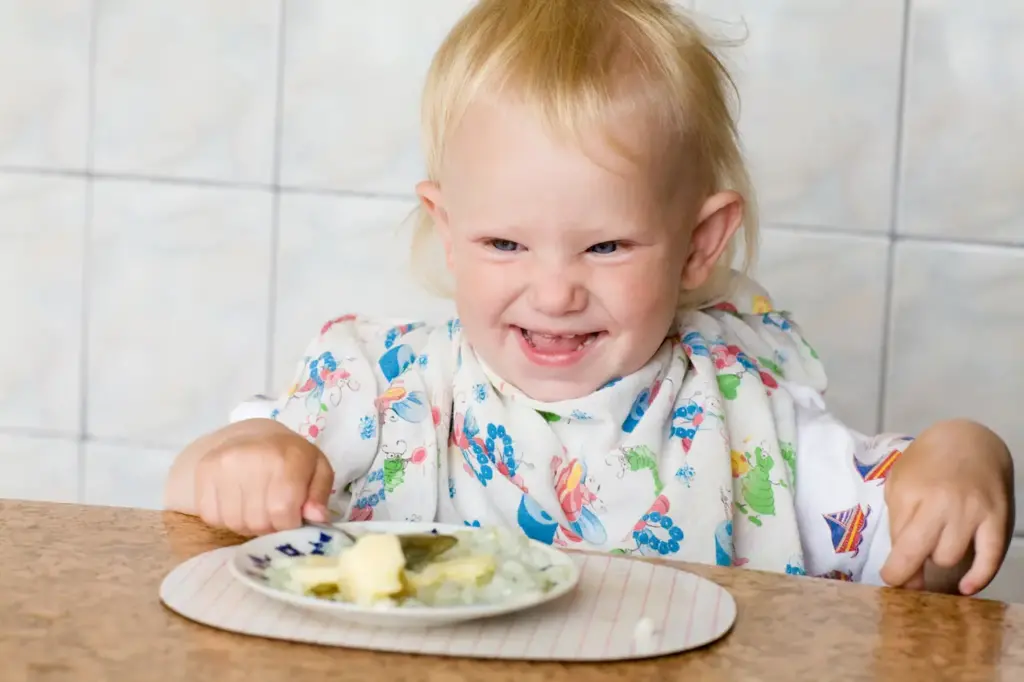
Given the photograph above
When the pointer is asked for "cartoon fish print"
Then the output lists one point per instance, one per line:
(879, 471)
(536, 523)
(756, 488)
(636, 458)
(411, 406)
(641, 404)
(576, 500)
(847, 528)
(396, 361)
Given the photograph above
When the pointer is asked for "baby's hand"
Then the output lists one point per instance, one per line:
(256, 484)
(951, 492)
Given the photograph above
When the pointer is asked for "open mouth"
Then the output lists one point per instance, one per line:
(552, 349)
(557, 343)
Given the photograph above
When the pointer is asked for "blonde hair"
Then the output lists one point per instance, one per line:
(577, 62)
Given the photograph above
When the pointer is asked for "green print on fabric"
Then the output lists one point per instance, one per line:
(728, 384)
(549, 417)
(394, 473)
(789, 457)
(772, 367)
(810, 349)
(642, 457)
(756, 488)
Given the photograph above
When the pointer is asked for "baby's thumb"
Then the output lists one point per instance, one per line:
(319, 494)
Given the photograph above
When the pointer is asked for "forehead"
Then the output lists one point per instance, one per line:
(506, 147)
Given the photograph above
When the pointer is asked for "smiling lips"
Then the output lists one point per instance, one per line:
(558, 350)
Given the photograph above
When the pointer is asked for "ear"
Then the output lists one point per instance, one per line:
(719, 218)
(431, 199)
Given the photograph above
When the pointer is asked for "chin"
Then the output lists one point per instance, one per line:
(548, 391)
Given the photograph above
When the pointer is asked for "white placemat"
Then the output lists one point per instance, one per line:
(622, 609)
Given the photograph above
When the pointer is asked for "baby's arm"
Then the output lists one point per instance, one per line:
(268, 473)
(891, 510)
(180, 489)
(952, 509)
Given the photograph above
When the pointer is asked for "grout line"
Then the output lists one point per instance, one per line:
(84, 440)
(87, 224)
(200, 182)
(28, 432)
(275, 208)
(827, 231)
(888, 305)
(940, 240)
(888, 236)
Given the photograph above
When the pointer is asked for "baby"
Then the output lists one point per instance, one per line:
(611, 383)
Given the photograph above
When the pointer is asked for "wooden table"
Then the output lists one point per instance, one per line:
(78, 601)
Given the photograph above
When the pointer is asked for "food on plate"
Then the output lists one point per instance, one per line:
(479, 567)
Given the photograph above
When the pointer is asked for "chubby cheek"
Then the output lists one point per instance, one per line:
(640, 303)
(481, 295)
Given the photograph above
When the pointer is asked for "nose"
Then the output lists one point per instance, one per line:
(557, 290)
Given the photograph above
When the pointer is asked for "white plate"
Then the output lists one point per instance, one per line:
(251, 561)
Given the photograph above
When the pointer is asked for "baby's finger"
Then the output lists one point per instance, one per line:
(254, 505)
(206, 501)
(319, 493)
(916, 581)
(911, 548)
(953, 543)
(287, 492)
(989, 550)
(230, 507)
(900, 515)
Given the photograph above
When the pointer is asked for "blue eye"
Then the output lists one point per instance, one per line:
(604, 248)
(506, 245)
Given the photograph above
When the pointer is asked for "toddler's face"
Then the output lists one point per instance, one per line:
(567, 264)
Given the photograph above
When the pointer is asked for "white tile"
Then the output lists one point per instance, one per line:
(341, 255)
(835, 287)
(43, 469)
(1008, 584)
(125, 476)
(178, 308)
(819, 88)
(42, 228)
(353, 75)
(964, 130)
(186, 88)
(957, 336)
(44, 91)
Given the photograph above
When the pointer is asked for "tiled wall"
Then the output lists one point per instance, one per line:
(187, 188)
